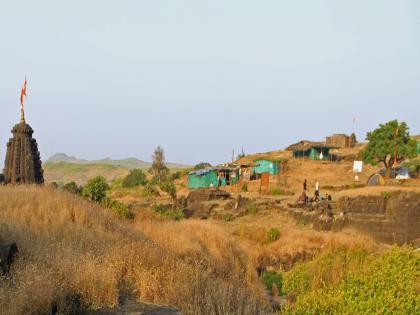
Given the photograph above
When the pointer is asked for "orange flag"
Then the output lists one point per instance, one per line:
(23, 92)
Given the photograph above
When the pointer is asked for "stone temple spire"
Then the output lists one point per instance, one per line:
(23, 162)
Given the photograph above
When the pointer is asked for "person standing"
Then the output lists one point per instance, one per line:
(316, 189)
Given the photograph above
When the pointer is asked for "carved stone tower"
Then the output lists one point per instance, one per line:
(23, 162)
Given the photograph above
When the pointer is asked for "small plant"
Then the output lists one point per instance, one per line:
(245, 187)
(386, 195)
(273, 235)
(252, 209)
(227, 217)
(272, 277)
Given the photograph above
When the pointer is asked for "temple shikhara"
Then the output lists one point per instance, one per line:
(23, 162)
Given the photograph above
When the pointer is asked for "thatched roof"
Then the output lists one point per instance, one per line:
(305, 145)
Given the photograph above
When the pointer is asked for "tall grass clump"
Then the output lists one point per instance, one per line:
(72, 249)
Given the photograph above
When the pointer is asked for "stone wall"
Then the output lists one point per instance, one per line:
(393, 217)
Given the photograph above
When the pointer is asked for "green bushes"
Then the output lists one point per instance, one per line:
(272, 277)
(122, 210)
(352, 282)
(95, 189)
(168, 211)
(136, 177)
(150, 191)
(72, 187)
(169, 187)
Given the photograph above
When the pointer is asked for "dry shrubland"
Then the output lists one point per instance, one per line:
(69, 248)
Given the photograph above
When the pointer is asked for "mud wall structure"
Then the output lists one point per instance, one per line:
(393, 217)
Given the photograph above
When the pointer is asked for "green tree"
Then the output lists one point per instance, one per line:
(159, 169)
(389, 143)
(73, 188)
(96, 189)
(136, 177)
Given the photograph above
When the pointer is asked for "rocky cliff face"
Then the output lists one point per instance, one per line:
(23, 162)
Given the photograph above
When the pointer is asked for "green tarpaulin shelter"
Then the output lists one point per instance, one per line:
(266, 166)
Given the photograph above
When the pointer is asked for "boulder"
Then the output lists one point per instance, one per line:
(8, 251)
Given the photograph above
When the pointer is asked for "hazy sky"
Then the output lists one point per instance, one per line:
(118, 78)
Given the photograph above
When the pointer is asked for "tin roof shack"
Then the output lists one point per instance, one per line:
(213, 177)
(341, 140)
(312, 150)
(203, 178)
(227, 175)
(266, 166)
(418, 143)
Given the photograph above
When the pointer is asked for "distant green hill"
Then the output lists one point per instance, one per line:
(63, 168)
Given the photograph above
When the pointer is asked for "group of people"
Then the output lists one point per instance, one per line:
(317, 196)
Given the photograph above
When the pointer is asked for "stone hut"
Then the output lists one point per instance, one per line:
(341, 141)
(23, 162)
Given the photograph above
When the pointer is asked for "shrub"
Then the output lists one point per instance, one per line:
(245, 187)
(277, 191)
(96, 189)
(169, 188)
(149, 191)
(168, 211)
(176, 175)
(72, 187)
(122, 210)
(227, 217)
(53, 185)
(351, 282)
(252, 209)
(273, 234)
(272, 277)
(135, 178)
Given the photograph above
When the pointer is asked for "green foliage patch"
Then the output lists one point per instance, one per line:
(347, 281)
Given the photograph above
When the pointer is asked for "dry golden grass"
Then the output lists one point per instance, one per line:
(70, 247)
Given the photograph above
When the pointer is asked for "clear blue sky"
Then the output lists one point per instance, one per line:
(118, 78)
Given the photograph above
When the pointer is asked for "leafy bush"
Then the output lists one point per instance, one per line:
(245, 187)
(121, 209)
(176, 175)
(270, 277)
(169, 187)
(53, 185)
(273, 234)
(96, 189)
(353, 282)
(135, 178)
(168, 211)
(72, 187)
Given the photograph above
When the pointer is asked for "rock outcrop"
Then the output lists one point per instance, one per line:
(23, 162)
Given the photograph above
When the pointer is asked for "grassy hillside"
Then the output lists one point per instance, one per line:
(72, 248)
(63, 172)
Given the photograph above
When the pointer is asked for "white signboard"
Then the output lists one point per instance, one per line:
(357, 166)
